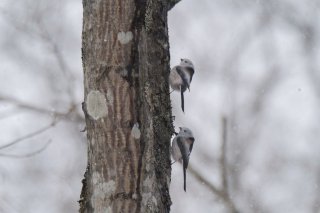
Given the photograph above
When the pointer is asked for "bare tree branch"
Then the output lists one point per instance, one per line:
(31, 154)
(316, 203)
(201, 179)
(223, 160)
(71, 114)
(46, 37)
(219, 192)
(223, 193)
(8, 113)
(241, 140)
(29, 106)
(172, 3)
(30, 135)
(224, 166)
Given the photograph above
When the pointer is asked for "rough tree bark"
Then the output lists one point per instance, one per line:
(125, 54)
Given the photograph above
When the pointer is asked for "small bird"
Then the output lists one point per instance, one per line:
(181, 148)
(180, 77)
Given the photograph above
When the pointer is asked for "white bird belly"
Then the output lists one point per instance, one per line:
(175, 80)
(176, 154)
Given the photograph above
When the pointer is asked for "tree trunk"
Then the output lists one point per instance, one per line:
(125, 54)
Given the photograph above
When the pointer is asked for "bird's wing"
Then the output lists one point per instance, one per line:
(175, 149)
(182, 99)
(185, 160)
(191, 144)
(191, 72)
(184, 86)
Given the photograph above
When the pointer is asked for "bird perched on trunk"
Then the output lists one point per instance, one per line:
(180, 77)
(181, 149)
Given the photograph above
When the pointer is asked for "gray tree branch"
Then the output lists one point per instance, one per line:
(30, 135)
(222, 192)
(27, 155)
(172, 3)
(71, 114)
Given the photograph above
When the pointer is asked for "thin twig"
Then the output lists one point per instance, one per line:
(223, 193)
(31, 154)
(219, 192)
(223, 163)
(30, 135)
(30, 107)
(201, 179)
(224, 166)
(8, 113)
(71, 114)
(46, 37)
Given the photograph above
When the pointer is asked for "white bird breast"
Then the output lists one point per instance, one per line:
(175, 80)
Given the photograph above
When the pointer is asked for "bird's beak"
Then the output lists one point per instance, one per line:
(180, 128)
(192, 139)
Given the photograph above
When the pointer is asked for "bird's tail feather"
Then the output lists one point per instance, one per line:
(182, 101)
(184, 176)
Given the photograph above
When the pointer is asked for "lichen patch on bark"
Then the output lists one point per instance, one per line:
(124, 72)
(149, 201)
(110, 97)
(96, 104)
(147, 182)
(125, 37)
(100, 192)
(108, 210)
(105, 187)
(135, 131)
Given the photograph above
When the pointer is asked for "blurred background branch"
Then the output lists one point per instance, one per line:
(72, 114)
(222, 192)
(30, 154)
(30, 135)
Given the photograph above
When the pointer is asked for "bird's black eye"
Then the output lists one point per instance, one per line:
(185, 130)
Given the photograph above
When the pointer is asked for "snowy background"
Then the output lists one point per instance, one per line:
(257, 63)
